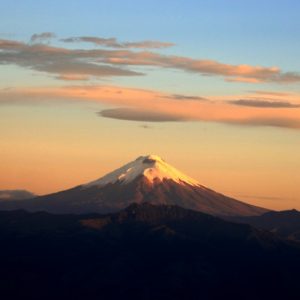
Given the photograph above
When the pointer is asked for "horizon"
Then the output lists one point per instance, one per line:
(212, 88)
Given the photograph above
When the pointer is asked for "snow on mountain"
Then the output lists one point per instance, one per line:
(151, 167)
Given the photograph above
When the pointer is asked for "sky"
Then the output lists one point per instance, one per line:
(213, 87)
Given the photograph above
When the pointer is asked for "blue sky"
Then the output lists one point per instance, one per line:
(249, 30)
(255, 32)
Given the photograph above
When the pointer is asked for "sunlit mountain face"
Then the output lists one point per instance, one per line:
(148, 179)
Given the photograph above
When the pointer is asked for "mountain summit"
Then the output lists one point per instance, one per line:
(147, 179)
(151, 167)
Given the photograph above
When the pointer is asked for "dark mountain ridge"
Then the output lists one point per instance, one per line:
(284, 223)
(143, 252)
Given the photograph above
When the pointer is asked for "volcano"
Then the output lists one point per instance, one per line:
(148, 179)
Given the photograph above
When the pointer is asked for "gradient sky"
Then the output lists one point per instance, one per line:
(213, 87)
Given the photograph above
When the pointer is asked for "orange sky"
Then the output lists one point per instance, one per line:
(57, 146)
(73, 109)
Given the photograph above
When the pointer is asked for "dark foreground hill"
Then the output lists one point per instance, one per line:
(142, 252)
(284, 223)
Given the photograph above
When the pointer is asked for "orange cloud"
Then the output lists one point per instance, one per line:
(72, 77)
(146, 105)
(246, 80)
(272, 93)
(245, 73)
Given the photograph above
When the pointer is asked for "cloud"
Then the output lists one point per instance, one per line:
(59, 61)
(72, 77)
(243, 72)
(271, 122)
(244, 79)
(10, 45)
(288, 77)
(69, 69)
(264, 103)
(271, 93)
(141, 115)
(106, 42)
(113, 43)
(152, 106)
(42, 37)
(64, 62)
(148, 44)
(130, 114)
(185, 97)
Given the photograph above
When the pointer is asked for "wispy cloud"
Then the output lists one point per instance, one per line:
(284, 122)
(72, 77)
(264, 103)
(64, 63)
(67, 63)
(185, 97)
(42, 37)
(271, 93)
(114, 43)
(204, 67)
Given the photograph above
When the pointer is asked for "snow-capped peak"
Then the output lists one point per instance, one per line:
(150, 166)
